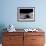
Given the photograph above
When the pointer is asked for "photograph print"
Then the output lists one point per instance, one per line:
(26, 14)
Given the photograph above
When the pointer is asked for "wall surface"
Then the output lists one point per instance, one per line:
(8, 13)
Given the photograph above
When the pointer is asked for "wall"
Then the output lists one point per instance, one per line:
(8, 13)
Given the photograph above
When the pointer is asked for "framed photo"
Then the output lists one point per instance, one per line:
(26, 14)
